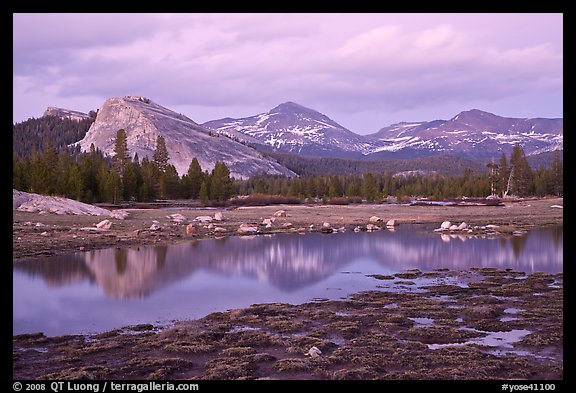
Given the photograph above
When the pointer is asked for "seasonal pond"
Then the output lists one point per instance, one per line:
(99, 290)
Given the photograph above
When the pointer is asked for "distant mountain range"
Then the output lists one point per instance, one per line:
(246, 144)
(292, 128)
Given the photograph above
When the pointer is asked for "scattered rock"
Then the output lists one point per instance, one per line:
(446, 225)
(375, 219)
(177, 218)
(246, 229)
(119, 214)
(372, 227)
(280, 213)
(462, 226)
(313, 352)
(104, 224)
(203, 219)
(30, 202)
(44, 234)
(219, 216)
(391, 223)
(326, 225)
(220, 230)
(191, 229)
(410, 274)
(268, 221)
(155, 226)
(557, 206)
(382, 276)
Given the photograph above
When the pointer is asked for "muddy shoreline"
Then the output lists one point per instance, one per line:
(48, 234)
(476, 324)
(502, 325)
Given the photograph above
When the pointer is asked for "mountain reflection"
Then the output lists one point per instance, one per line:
(291, 262)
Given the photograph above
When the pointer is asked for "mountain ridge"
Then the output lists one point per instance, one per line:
(64, 113)
(473, 134)
(293, 128)
(144, 120)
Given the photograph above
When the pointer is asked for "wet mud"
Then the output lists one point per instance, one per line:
(475, 324)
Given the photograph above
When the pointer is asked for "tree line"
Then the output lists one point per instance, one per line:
(91, 177)
(311, 166)
(30, 135)
(510, 176)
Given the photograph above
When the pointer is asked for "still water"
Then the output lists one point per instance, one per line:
(89, 292)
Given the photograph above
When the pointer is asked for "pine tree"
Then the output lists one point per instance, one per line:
(493, 176)
(121, 157)
(194, 178)
(129, 181)
(543, 182)
(88, 166)
(74, 182)
(503, 175)
(40, 176)
(204, 196)
(19, 173)
(335, 188)
(150, 175)
(61, 186)
(522, 176)
(557, 174)
(170, 183)
(161, 156)
(369, 187)
(221, 184)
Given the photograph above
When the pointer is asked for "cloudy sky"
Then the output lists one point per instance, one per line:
(365, 71)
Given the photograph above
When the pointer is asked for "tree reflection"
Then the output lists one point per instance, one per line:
(518, 243)
(121, 259)
(291, 262)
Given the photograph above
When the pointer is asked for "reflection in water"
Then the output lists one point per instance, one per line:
(518, 243)
(132, 273)
(291, 262)
(193, 278)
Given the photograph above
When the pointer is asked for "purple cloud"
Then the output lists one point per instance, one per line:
(368, 68)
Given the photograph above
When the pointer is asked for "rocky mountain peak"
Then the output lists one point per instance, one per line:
(293, 128)
(65, 113)
(290, 106)
(301, 114)
(483, 121)
(144, 120)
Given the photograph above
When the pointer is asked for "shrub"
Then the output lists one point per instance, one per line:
(265, 199)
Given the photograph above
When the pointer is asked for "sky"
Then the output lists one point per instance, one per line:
(365, 71)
